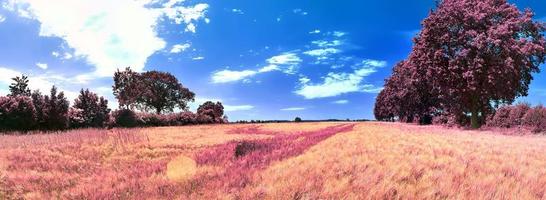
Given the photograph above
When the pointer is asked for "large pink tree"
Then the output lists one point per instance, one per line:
(479, 52)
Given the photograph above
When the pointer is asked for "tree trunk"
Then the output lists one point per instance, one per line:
(158, 110)
(474, 119)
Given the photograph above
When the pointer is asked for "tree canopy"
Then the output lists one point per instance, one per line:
(469, 56)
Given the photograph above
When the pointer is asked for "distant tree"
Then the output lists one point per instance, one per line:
(297, 119)
(20, 86)
(127, 87)
(56, 112)
(478, 52)
(215, 111)
(162, 92)
(92, 110)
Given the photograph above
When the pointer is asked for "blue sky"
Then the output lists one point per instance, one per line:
(267, 59)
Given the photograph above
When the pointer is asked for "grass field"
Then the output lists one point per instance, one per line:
(274, 161)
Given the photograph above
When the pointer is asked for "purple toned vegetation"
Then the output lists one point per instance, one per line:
(242, 158)
(468, 55)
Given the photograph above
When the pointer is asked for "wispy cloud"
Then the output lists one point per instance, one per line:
(322, 53)
(293, 109)
(226, 76)
(198, 58)
(177, 48)
(230, 108)
(2, 18)
(237, 11)
(335, 84)
(41, 65)
(286, 62)
(316, 31)
(227, 107)
(343, 101)
(299, 11)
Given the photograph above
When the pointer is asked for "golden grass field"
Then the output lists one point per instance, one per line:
(321, 161)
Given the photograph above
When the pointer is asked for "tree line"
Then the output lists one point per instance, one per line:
(150, 98)
(469, 58)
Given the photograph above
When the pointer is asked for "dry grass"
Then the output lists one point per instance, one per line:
(285, 161)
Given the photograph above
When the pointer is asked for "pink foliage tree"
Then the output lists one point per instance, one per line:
(478, 52)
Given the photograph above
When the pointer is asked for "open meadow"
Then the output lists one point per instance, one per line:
(369, 160)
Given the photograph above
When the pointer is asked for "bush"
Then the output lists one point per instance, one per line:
(125, 118)
(149, 119)
(517, 113)
(536, 118)
(297, 119)
(501, 118)
(17, 113)
(183, 118)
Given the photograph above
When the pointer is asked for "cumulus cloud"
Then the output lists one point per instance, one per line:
(41, 65)
(335, 84)
(177, 48)
(108, 34)
(293, 109)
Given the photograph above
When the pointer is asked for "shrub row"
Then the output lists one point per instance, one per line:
(520, 115)
(129, 118)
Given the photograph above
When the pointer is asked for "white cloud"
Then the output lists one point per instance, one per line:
(286, 62)
(293, 109)
(55, 54)
(2, 18)
(322, 52)
(299, 11)
(335, 84)
(343, 101)
(42, 82)
(325, 43)
(230, 108)
(285, 59)
(237, 11)
(177, 48)
(41, 65)
(226, 76)
(269, 68)
(198, 58)
(314, 31)
(339, 33)
(108, 34)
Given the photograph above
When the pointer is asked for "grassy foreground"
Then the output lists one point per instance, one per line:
(274, 161)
